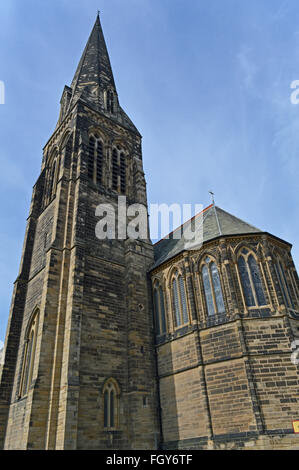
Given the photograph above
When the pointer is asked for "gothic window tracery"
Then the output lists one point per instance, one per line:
(251, 281)
(179, 301)
(212, 287)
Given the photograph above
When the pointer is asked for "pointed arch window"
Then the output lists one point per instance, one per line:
(51, 178)
(159, 308)
(95, 159)
(29, 355)
(212, 287)
(111, 394)
(251, 281)
(284, 287)
(179, 301)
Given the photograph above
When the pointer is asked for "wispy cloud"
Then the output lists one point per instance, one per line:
(247, 66)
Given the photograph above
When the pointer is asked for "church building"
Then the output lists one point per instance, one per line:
(122, 344)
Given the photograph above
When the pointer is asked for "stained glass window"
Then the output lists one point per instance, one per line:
(212, 288)
(257, 282)
(208, 290)
(251, 280)
(246, 284)
(183, 300)
(217, 289)
(179, 301)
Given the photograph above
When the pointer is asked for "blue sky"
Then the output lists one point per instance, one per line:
(207, 83)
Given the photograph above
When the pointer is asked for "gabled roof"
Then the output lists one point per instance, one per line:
(215, 223)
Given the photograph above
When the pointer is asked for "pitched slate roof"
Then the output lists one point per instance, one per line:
(214, 222)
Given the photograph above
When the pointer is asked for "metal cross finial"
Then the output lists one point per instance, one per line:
(215, 211)
(212, 196)
(99, 11)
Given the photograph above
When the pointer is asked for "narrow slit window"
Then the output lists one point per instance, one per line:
(115, 170)
(110, 101)
(122, 173)
(99, 162)
(51, 182)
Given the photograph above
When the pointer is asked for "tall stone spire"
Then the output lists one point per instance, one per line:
(94, 67)
(94, 83)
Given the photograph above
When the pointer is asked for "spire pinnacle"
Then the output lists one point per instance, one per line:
(93, 81)
(94, 67)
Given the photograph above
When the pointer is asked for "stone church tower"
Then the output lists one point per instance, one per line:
(79, 369)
